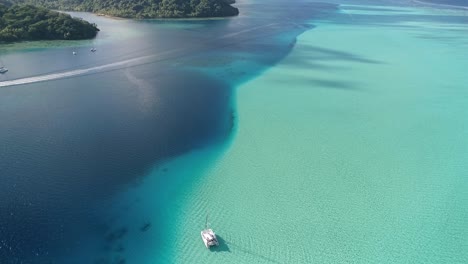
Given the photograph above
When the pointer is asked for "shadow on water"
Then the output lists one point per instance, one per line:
(324, 83)
(322, 59)
(222, 247)
(225, 246)
(326, 54)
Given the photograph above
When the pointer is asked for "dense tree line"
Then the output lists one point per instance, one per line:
(144, 8)
(27, 22)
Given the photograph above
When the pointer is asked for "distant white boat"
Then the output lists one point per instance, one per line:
(74, 53)
(3, 69)
(208, 236)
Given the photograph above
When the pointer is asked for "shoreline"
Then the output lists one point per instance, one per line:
(158, 18)
(104, 15)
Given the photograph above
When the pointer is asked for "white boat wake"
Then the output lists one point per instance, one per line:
(127, 63)
(77, 72)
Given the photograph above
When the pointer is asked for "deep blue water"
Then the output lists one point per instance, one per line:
(69, 147)
(69, 144)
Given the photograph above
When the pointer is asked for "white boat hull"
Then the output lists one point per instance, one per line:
(209, 238)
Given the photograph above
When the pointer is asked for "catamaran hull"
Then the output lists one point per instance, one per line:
(204, 241)
(209, 239)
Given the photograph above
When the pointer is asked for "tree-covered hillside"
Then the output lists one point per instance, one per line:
(27, 22)
(143, 8)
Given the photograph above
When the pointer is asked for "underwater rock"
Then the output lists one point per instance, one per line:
(117, 234)
(145, 227)
(120, 248)
(120, 260)
(102, 261)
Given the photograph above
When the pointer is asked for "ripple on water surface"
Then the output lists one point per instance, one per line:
(352, 149)
(72, 146)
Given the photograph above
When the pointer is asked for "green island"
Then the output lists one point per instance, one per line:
(143, 9)
(22, 20)
(27, 22)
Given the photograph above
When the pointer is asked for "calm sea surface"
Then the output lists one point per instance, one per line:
(78, 129)
(117, 156)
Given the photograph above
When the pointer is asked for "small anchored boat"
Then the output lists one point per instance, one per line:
(3, 69)
(208, 236)
(93, 50)
(74, 53)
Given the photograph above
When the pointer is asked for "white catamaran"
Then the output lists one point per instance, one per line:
(208, 236)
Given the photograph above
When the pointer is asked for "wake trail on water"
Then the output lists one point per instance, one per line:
(78, 72)
(439, 5)
(170, 54)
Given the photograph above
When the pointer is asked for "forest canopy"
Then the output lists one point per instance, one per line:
(143, 8)
(27, 22)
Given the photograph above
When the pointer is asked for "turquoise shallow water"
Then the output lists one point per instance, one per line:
(351, 150)
(100, 148)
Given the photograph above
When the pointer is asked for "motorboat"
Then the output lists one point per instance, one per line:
(93, 50)
(3, 69)
(74, 53)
